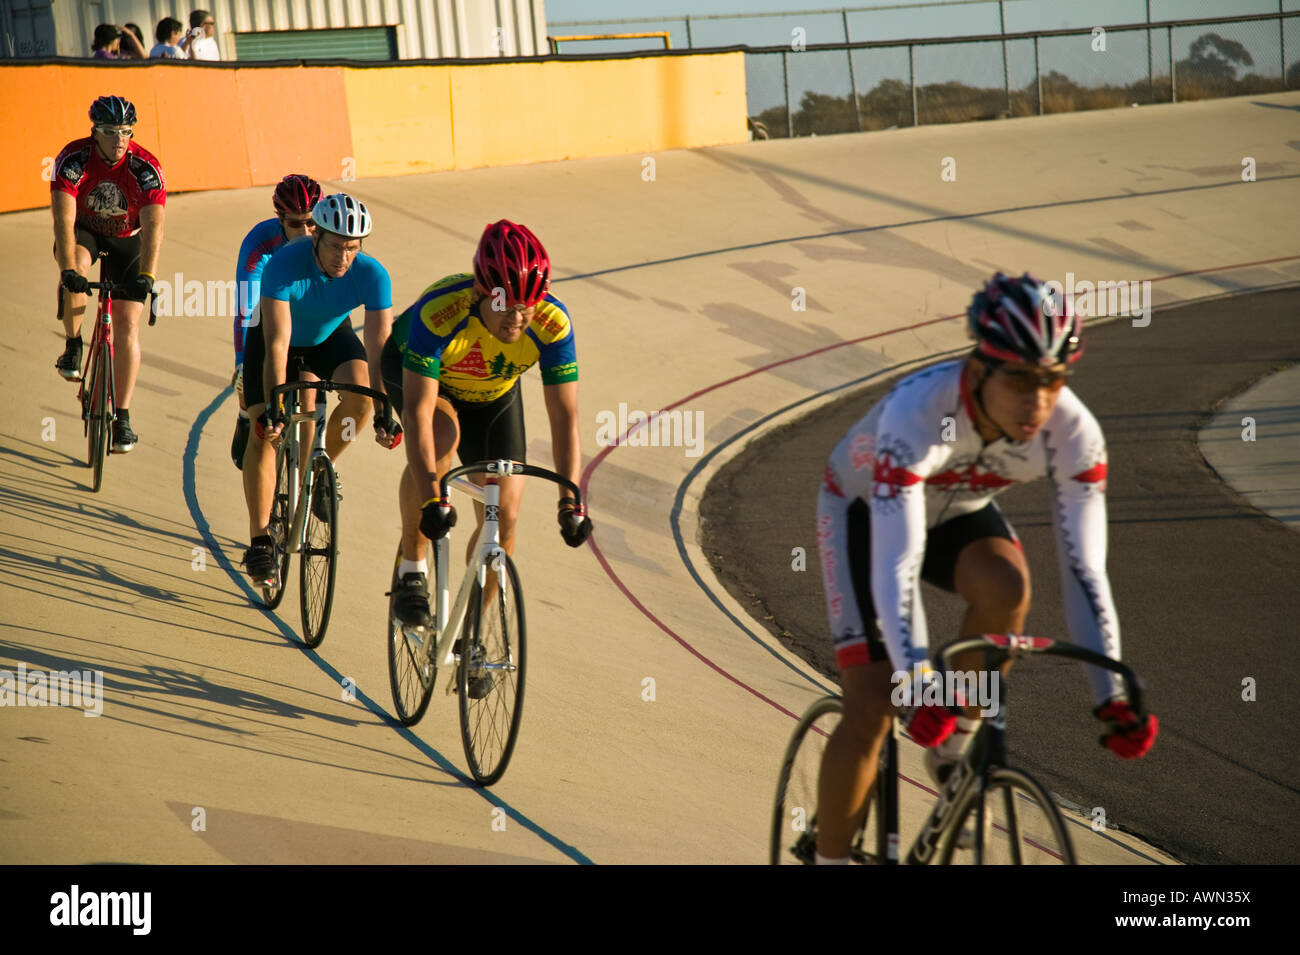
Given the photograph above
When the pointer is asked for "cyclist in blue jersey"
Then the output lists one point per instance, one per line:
(309, 289)
(453, 367)
(293, 199)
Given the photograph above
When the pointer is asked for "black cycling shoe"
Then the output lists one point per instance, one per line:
(240, 441)
(69, 363)
(411, 605)
(318, 501)
(124, 439)
(259, 560)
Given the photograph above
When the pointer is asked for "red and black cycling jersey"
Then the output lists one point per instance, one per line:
(109, 198)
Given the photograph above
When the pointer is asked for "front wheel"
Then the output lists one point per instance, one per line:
(490, 676)
(281, 519)
(319, 558)
(410, 670)
(1021, 825)
(98, 418)
(794, 816)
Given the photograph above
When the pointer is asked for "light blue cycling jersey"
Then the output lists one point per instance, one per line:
(318, 304)
(254, 253)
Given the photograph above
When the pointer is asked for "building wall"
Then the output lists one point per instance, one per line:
(427, 29)
(227, 127)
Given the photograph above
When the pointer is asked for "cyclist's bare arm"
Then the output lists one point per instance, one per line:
(64, 207)
(419, 400)
(562, 410)
(277, 327)
(378, 326)
(151, 236)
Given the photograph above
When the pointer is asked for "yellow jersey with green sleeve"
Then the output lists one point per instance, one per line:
(445, 340)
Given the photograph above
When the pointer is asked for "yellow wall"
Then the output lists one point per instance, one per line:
(398, 120)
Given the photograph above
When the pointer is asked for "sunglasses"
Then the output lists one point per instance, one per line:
(1027, 380)
(309, 222)
(209, 23)
(126, 133)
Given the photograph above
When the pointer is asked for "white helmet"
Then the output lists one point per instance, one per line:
(342, 215)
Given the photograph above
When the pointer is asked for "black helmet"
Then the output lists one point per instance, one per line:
(112, 111)
(1019, 320)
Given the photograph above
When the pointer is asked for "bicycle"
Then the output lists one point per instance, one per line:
(1028, 828)
(97, 391)
(295, 526)
(486, 645)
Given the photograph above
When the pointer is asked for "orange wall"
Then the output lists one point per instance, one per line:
(222, 128)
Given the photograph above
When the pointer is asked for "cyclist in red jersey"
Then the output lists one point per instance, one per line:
(107, 195)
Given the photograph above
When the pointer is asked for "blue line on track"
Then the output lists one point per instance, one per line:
(205, 531)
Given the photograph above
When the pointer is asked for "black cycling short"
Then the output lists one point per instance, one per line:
(943, 544)
(121, 261)
(322, 360)
(489, 430)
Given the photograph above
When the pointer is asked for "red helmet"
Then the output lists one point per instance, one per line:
(509, 257)
(295, 195)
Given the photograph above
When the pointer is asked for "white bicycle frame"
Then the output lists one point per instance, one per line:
(449, 620)
(299, 485)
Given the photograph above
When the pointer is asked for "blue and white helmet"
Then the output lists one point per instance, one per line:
(342, 215)
(1020, 320)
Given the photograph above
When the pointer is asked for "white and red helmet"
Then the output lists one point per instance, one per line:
(1022, 320)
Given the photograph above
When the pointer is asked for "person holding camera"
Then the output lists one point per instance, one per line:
(203, 30)
(114, 43)
(173, 42)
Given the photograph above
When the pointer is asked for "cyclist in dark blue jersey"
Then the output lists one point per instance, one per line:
(309, 289)
(293, 200)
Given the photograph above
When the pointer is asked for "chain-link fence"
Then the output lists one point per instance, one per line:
(802, 87)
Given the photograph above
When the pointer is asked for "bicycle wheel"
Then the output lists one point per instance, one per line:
(794, 816)
(99, 417)
(1022, 825)
(319, 557)
(281, 518)
(490, 677)
(410, 671)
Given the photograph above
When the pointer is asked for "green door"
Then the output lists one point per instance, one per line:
(360, 43)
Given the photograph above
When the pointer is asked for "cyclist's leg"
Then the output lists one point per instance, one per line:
(491, 431)
(342, 358)
(259, 455)
(852, 753)
(123, 265)
(989, 572)
(446, 438)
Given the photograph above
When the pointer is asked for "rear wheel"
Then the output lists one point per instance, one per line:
(410, 670)
(98, 417)
(319, 558)
(490, 676)
(1021, 823)
(281, 518)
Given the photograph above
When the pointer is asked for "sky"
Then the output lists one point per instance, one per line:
(977, 64)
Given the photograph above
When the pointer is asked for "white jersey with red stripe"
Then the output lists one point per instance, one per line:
(917, 459)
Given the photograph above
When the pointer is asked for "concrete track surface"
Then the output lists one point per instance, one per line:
(654, 721)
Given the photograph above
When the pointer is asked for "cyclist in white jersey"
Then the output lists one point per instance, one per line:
(908, 494)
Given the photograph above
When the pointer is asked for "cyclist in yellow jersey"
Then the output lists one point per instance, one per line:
(452, 369)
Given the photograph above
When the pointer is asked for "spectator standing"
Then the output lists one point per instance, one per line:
(173, 42)
(203, 29)
(105, 43)
(133, 47)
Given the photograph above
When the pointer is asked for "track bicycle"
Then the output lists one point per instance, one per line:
(483, 638)
(304, 510)
(987, 812)
(97, 392)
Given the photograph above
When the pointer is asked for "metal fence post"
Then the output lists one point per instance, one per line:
(911, 79)
(1281, 41)
(1173, 69)
(1038, 77)
(1006, 75)
(689, 44)
(1151, 74)
(853, 80)
(785, 77)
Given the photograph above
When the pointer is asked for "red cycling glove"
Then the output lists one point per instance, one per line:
(1125, 735)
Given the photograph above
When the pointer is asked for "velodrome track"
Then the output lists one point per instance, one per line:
(681, 290)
